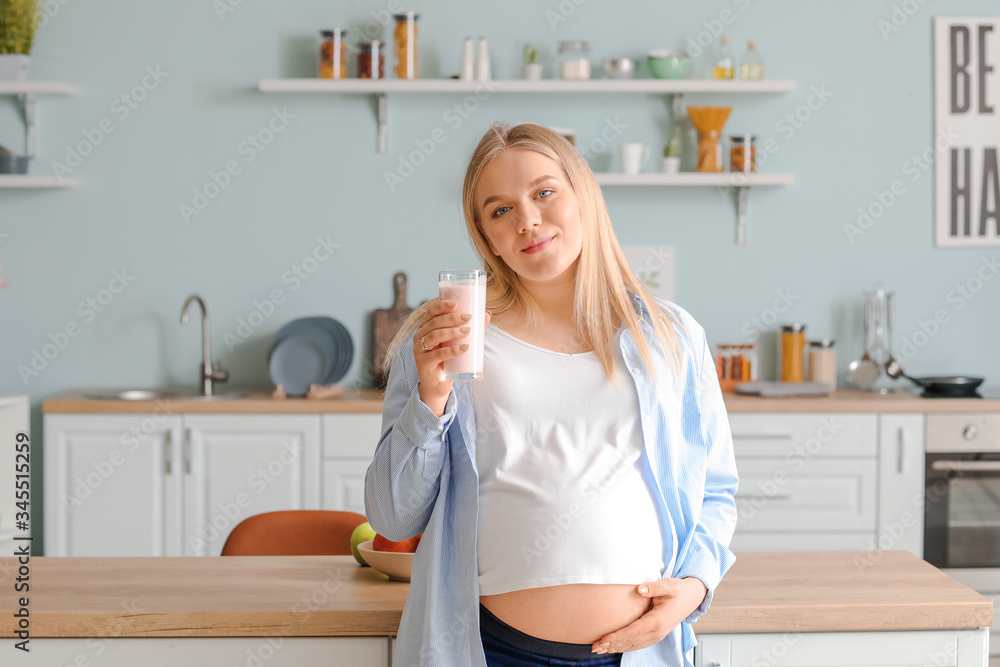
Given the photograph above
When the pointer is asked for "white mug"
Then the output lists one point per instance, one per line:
(633, 156)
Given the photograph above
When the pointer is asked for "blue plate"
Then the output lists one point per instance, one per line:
(344, 348)
(298, 361)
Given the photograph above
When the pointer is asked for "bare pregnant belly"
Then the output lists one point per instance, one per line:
(573, 613)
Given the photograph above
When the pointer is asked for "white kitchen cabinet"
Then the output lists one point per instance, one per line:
(901, 483)
(956, 648)
(171, 485)
(808, 481)
(349, 442)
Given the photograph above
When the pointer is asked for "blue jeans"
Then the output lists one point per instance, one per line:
(506, 646)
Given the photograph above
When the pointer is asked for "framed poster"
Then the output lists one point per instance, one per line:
(966, 131)
(654, 266)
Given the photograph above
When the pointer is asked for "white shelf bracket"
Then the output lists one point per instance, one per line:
(741, 194)
(27, 101)
(383, 123)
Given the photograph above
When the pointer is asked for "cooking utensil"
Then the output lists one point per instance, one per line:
(385, 324)
(864, 372)
(619, 68)
(951, 386)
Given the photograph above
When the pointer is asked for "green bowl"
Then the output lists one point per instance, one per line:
(668, 64)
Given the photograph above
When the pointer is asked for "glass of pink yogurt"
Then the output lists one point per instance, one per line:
(467, 288)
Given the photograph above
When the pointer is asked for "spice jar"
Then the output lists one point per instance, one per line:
(332, 54)
(793, 345)
(404, 38)
(823, 362)
(742, 152)
(574, 60)
(736, 362)
(371, 60)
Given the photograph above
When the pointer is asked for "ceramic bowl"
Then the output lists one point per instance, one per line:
(395, 565)
(666, 64)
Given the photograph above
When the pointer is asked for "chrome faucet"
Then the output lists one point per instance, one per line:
(208, 372)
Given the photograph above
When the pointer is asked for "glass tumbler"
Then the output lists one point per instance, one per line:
(467, 288)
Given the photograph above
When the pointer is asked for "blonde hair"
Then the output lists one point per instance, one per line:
(603, 275)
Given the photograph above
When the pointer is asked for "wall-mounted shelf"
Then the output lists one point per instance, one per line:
(25, 91)
(21, 181)
(382, 87)
(739, 184)
(651, 86)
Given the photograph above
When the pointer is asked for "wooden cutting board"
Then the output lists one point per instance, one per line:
(385, 324)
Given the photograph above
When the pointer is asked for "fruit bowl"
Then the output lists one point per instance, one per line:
(396, 565)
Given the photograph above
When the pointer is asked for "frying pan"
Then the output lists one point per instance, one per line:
(948, 386)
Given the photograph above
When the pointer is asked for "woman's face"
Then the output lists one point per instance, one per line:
(524, 197)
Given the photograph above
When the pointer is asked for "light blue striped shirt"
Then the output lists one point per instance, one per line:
(424, 479)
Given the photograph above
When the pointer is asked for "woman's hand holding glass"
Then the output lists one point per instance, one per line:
(439, 324)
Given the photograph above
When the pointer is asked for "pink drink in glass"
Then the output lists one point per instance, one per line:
(467, 288)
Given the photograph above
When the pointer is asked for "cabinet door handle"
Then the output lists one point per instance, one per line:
(168, 449)
(780, 495)
(187, 451)
(967, 466)
(762, 436)
(900, 446)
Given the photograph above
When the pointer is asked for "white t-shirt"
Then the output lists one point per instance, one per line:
(564, 485)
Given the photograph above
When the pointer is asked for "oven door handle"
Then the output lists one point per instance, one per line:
(969, 466)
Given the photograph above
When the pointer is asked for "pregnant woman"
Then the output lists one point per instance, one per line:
(577, 502)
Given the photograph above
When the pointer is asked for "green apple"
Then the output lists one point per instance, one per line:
(362, 533)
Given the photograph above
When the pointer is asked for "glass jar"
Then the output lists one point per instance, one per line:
(332, 54)
(404, 38)
(743, 152)
(793, 345)
(574, 60)
(371, 60)
(823, 362)
(736, 362)
(709, 152)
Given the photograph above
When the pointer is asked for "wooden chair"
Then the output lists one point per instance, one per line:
(294, 533)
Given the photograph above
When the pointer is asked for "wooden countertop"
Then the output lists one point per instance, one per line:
(236, 596)
(370, 400)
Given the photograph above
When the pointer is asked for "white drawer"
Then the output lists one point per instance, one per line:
(824, 494)
(802, 541)
(807, 435)
(351, 435)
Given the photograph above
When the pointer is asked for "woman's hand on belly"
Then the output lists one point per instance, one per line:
(673, 601)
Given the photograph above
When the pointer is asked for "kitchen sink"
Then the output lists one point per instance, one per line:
(187, 393)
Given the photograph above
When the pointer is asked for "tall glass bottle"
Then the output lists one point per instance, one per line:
(751, 65)
(724, 60)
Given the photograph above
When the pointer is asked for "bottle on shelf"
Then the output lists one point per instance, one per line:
(482, 61)
(724, 60)
(467, 66)
(751, 65)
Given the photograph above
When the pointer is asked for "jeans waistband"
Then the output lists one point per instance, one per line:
(490, 625)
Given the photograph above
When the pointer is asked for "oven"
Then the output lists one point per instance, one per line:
(962, 502)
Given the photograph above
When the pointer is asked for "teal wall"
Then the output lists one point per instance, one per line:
(321, 177)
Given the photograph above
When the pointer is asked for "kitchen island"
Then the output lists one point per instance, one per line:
(847, 608)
